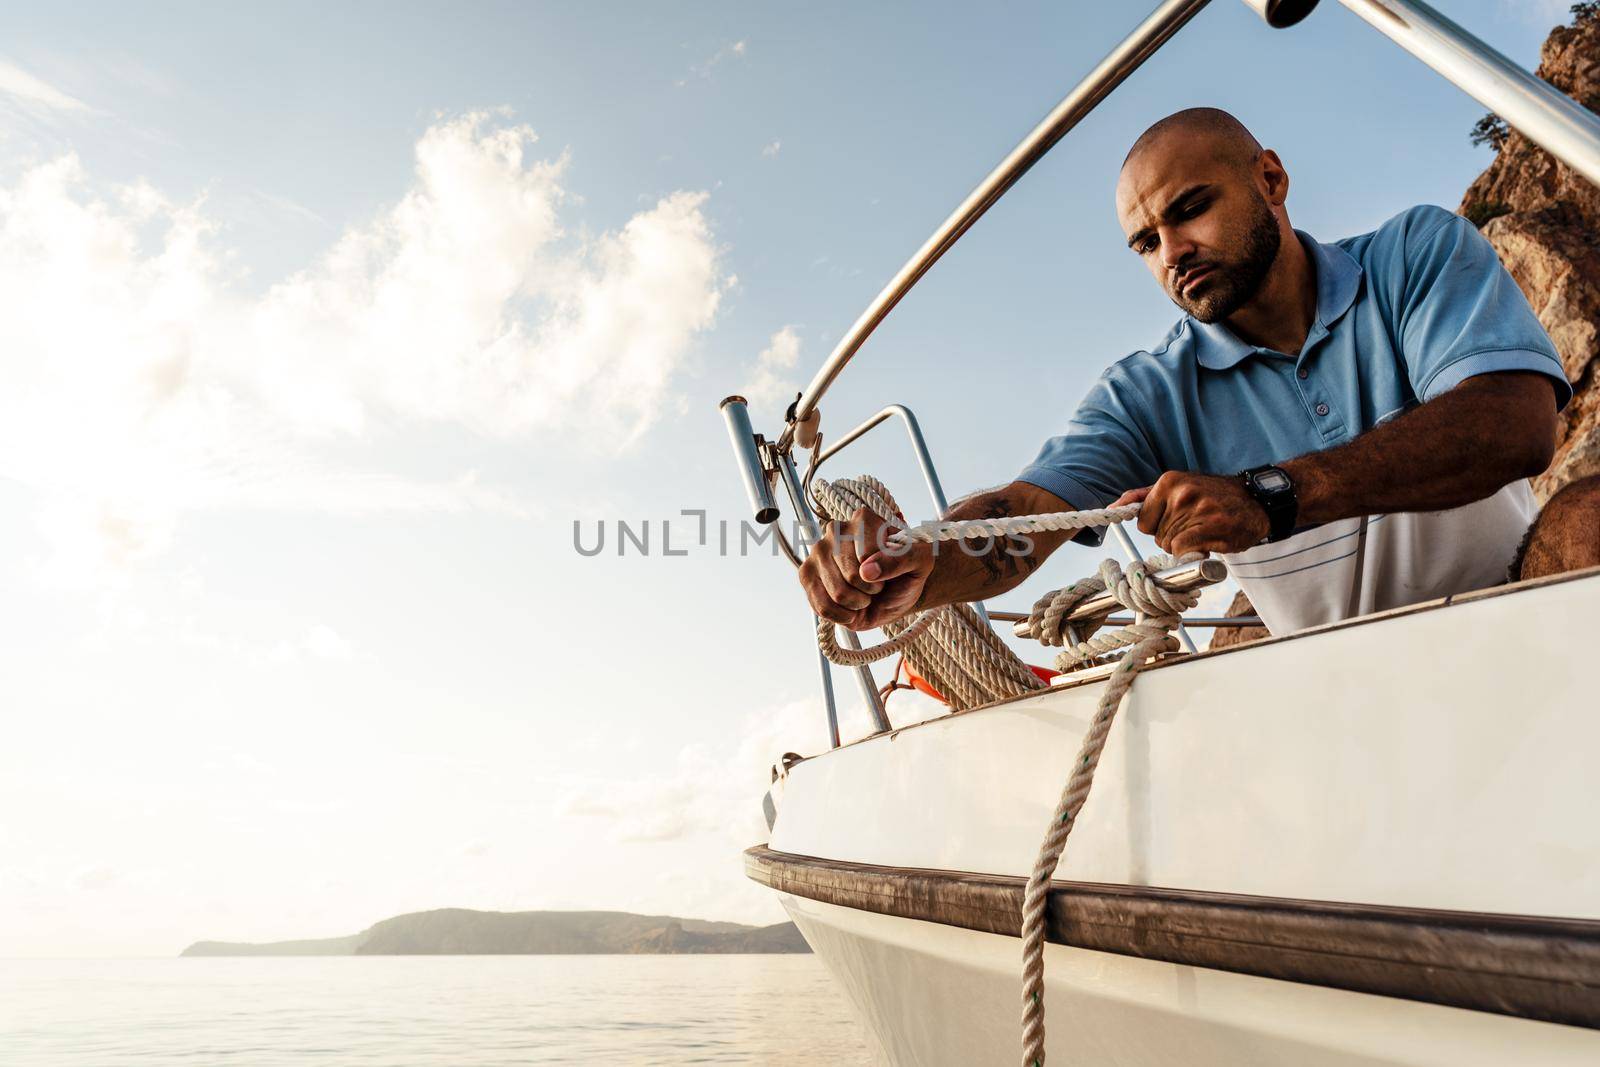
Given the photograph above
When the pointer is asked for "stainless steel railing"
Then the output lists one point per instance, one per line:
(1203, 622)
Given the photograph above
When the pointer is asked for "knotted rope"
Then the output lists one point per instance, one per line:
(962, 657)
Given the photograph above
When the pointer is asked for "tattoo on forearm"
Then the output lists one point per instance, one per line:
(1008, 558)
(971, 570)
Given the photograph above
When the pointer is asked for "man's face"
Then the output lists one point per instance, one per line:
(1199, 223)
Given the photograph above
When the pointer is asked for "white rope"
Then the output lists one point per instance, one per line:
(1157, 615)
(962, 529)
(839, 500)
(964, 659)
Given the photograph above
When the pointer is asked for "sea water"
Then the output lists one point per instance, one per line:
(426, 1010)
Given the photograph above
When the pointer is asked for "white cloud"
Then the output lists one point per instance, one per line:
(769, 381)
(18, 83)
(458, 305)
(735, 50)
(141, 383)
(771, 151)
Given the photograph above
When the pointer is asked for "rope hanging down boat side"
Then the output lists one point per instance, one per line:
(960, 654)
(1158, 610)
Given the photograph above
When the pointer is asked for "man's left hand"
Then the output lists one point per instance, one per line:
(1199, 513)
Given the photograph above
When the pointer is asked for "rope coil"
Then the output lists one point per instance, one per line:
(963, 658)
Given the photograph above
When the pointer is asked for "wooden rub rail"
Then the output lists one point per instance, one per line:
(1526, 966)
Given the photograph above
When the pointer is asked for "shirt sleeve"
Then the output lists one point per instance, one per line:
(1102, 455)
(1461, 314)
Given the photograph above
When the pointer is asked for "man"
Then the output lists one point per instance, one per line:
(1351, 425)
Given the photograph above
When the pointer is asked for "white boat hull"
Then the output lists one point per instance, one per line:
(938, 995)
(1408, 762)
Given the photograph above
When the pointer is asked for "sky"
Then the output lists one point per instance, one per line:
(328, 332)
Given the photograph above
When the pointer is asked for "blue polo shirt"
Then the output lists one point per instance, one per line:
(1404, 314)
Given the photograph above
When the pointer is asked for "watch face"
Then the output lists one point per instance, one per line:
(1272, 481)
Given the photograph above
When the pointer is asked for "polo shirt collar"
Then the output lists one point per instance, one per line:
(1338, 282)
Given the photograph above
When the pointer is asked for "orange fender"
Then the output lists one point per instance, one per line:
(921, 685)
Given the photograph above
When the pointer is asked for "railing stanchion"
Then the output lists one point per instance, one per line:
(919, 446)
(829, 705)
(869, 685)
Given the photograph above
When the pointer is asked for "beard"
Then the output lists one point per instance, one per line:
(1231, 285)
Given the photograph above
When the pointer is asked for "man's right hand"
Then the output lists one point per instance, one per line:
(852, 580)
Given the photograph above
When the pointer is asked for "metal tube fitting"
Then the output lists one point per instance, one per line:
(747, 453)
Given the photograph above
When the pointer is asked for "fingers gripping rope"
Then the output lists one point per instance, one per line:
(987, 655)
(952, 646)
(960, 654)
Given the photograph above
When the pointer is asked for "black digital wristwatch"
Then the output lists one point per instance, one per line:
(1273, 489)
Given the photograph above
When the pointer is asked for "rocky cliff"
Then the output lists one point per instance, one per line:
(462, 932)
(456, 931)
(1544, 221)
(1221, 638)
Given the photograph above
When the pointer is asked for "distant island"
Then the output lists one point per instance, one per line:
(461, 932)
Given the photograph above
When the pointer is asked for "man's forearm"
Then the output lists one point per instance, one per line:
(1458, 448)
(977, 570)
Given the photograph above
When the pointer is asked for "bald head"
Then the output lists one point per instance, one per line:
(1225, 136)
(1202, 204)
